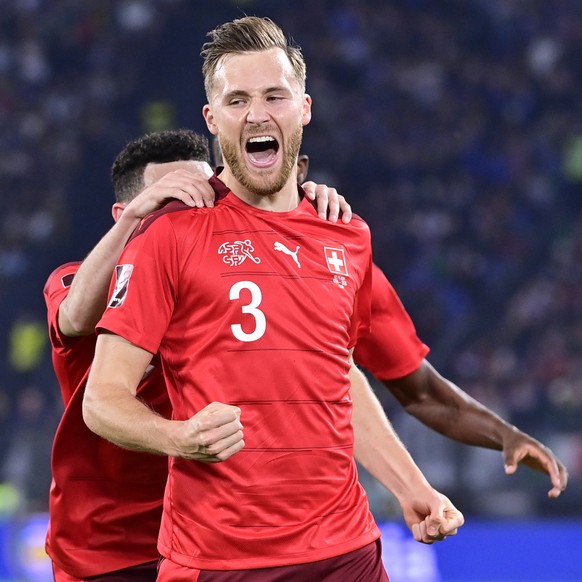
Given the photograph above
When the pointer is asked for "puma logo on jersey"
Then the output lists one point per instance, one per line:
(293, 254)
(237, 252)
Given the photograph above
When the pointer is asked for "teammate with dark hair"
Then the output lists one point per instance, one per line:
(106, 502)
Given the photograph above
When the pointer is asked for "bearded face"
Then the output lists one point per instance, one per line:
(258, 148)
(257, 110)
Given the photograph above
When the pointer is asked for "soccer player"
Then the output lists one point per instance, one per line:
(395, 355)
(256, 303)
(106, 502)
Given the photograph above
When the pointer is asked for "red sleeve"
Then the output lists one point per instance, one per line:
(142, 293)
(392, 349)
(361, 320)
(361, 259)
(71, 356)
(55, 290)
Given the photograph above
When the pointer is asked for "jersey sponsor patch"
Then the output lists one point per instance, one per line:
(237, 252)
(122, 277)
(336, 261)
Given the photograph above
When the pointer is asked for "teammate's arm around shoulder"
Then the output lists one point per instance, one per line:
(330, 203)
(112, 410)
(85, 303)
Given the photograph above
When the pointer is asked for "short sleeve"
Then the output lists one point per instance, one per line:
(55, 291)
(391, 349)
(142, 293)
(362, 308)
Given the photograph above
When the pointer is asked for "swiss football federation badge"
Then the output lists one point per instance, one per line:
(122, 276)
(237, 252)
(336, 261)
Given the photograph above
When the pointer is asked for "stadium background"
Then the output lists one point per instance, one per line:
(453, 127)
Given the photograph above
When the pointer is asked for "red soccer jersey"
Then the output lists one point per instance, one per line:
(391, 349)
(105, 502)
(256, 309)
(71, 356)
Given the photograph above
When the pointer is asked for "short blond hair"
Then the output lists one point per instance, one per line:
(248, 34)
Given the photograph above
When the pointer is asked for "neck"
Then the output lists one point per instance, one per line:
(284, 200)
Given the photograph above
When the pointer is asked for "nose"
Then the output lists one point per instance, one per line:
(257, 113)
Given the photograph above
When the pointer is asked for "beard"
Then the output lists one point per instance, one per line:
(270, 181)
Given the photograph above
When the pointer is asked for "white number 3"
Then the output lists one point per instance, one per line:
(251, 309)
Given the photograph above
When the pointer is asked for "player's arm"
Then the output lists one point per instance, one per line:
(441, 405)
(82, 308)
(330, 203)
(429, 514)
(112, 410)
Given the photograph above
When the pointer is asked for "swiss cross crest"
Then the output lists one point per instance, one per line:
(336, 261)
(237, 252)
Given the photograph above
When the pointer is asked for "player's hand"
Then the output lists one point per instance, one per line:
(431, 516)
(519, 447)
(329, 203)
(192, 189)
(212, 435)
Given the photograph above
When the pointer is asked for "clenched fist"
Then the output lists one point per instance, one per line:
(212, 435)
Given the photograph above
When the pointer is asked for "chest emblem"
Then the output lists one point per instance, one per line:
(293, 254)
(336, 261)
(237, 252)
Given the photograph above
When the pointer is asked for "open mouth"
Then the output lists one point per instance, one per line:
(262, 150)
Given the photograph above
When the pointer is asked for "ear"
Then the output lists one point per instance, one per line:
(306, 118)
(302, 167)
(116, 210)
(209, 118)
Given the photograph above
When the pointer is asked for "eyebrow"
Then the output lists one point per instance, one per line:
(241, 93)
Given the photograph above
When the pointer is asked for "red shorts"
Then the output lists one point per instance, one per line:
(141, 573)
(363, 564)
(61, 576)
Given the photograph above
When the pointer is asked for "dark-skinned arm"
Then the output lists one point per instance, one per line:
(441, 405)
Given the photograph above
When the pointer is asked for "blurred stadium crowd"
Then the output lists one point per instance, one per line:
(453, 127)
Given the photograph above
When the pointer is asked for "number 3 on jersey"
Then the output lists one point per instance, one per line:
(251, 309)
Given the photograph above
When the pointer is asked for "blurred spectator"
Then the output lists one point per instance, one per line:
(28, 340)
(27, 459)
